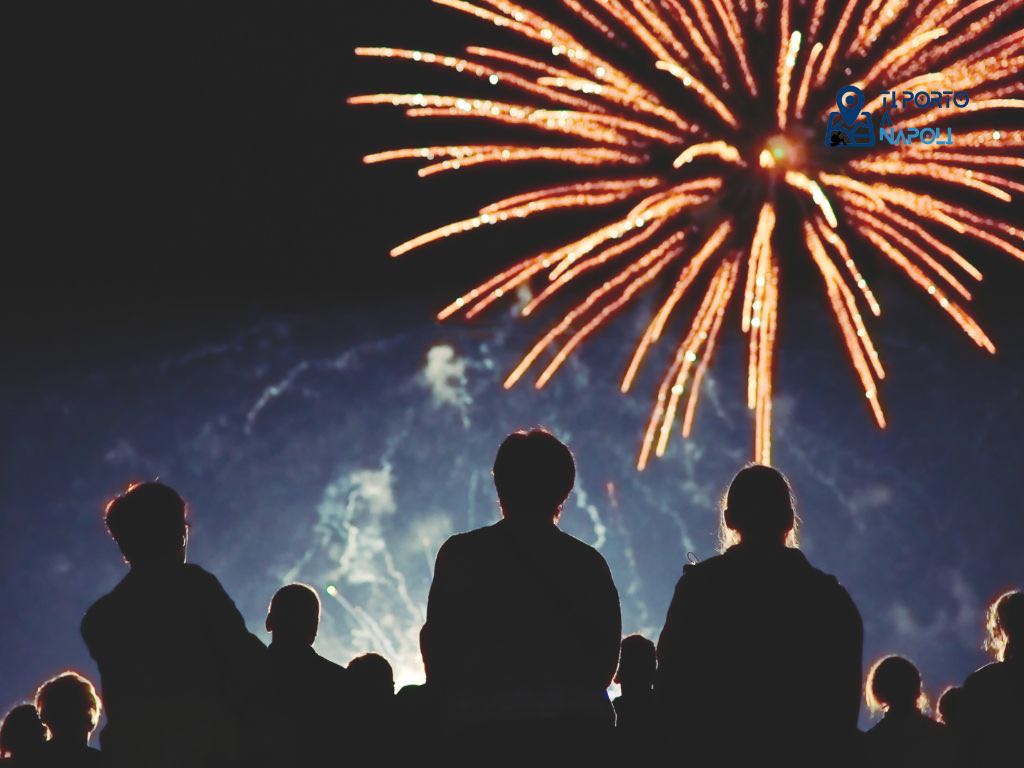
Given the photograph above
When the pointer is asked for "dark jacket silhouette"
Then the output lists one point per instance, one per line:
(70, 756)
(311, 701)
(373, 723)
(181, 675)
(760, 660)
(993, 712)
(909, 738)
(992, 702)
(522, 623)
(310, 695)
(22, 737)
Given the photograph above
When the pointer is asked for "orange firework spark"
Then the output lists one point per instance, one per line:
(681, 215)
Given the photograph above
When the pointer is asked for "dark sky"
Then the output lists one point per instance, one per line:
(175, 157)
(200, 156)
(180, 170)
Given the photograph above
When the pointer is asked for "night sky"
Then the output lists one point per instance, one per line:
(198, 289)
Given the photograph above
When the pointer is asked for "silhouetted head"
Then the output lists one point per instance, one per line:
(69, 707)
(148, 523)
(951, 705)
(894, 684)
(533, 473)
(22, 733)
(1005, 622)
(371, 678)
(637, 664)
(294, 614)
(758, 508)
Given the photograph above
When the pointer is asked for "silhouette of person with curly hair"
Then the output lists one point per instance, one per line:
(183, 680)
(993, 697)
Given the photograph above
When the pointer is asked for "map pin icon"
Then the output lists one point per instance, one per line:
(849, 101)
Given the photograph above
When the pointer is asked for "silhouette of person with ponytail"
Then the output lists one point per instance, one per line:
(905, 735)
(760, 658)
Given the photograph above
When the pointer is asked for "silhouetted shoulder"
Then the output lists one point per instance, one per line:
(987, 675)
(455, 545)
(101, 612)
(330, 672)
(995, 686)
(581, 548)
(114, 608)
(705, 574)
(199, 577)
(705, 569)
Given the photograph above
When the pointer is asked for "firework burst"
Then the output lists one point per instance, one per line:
(745, 128)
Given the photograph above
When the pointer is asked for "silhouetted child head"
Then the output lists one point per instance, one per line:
(371, 678)
(533, 473)
(1006, 625)
(294, 614)
(758, 508)
(894, 685)
(22, 733)
(637, 664)
(950, 705)
(69, 707)
(148, 523)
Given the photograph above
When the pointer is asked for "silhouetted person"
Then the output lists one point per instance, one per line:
(951, 707)
(372, 686)
(310, 693)
(905, 736)
(183, 680)
(69, 707)
(760, 658)
(372, 679)
(637, 666)
(418, 718)
(951, 714)
(523, 625)
(993, 697)
(635, 723)
(22, 736)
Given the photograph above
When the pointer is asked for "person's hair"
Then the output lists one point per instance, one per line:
(637, 660)
(22, 731)
(68, 704)
(758, 507)
(294, 612)
(894, 683)
(147, 521)
(533, 474)
(371, 674)
(950, 705)
(1005, 624)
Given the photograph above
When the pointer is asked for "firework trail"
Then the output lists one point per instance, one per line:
(682, 217)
